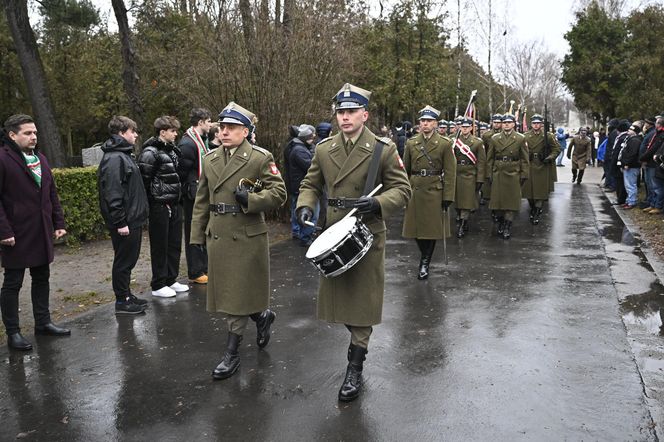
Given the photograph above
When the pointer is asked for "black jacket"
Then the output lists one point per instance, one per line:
(122, 198)
(630, 154)
(188, 166)
(299, 162)
(158, 163)
(658, 149)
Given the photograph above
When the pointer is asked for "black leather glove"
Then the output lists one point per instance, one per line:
(242, 196)
(445, 205)
(200, 247)
(521, 181)
(367, 204)
(478, 186)
(304, 214)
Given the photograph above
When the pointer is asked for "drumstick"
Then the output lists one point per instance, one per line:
(372, 193)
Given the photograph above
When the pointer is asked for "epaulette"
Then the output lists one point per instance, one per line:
(324, 140)
(212, 151)
(384, 140)
(261, 150)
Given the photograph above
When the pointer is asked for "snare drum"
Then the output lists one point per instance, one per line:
(340, 247)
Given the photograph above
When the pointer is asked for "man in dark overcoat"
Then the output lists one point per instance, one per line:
(354, 298)
(30, 217)
(238, 184)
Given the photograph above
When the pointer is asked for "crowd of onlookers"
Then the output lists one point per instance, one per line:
(633, 155)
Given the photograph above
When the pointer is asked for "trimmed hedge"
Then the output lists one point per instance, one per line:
(77, 189)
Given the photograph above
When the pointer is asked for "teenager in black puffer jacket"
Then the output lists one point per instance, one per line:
(158, 163)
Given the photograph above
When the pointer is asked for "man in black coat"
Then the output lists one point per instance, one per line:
(124, 206)
(30, 216)
(299, 161)
(193, 146)
(630, 165)
(158, 164)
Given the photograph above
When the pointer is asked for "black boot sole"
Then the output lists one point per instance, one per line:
(222, 376)
(273, 316)
(348, 398)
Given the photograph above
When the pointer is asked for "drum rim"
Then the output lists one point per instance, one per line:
(336, 245)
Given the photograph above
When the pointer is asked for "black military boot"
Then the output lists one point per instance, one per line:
(501, 225)
(263, 322)
(424, 268)
(573, 175)
(461, 232)
(352, 385)
(536, 216)
(229, 365)
(581, 172)
(507, 231)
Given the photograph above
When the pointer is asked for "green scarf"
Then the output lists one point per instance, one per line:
(35, 167)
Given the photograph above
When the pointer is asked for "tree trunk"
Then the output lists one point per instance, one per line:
(130, 72)
(35, 79)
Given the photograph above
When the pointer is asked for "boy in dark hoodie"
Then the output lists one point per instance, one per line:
(124, 207)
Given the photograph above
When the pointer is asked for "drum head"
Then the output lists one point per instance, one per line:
(331, 237)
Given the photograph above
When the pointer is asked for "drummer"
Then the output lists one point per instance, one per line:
(341, 162)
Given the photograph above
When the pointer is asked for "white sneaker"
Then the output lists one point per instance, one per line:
(180, 287)
(164, 292)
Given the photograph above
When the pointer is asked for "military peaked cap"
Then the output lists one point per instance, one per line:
(429, 113)
(236, 114)
(352, 97)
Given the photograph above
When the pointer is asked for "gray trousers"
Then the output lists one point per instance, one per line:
(359, 335)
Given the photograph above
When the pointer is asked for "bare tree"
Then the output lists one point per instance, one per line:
(33, 71)
(613, 8)
(130, 76)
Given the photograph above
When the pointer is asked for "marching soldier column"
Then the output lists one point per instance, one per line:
(431, 166)
(543, 150)
(471, 169)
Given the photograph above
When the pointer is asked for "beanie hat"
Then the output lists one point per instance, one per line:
(323, 129)
(623, 125)
(305, 132)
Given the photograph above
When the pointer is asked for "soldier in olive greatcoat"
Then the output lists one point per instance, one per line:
(341, 162)
(431, 167)
(507, 161)
(542, 153)
(496, 125)
(229, 218)
(582, 147)
(471, 170)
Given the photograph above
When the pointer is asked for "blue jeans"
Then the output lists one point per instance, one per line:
(630, 177)
(658, 188)
(303, 233)
(651, 197)
(559, 160)
(295, 227)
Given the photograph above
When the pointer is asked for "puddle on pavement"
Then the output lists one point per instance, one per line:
(645, 309)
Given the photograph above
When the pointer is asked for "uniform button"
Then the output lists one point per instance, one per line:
(417, 188)
(216, 237)
(334, 210)
(234, 238)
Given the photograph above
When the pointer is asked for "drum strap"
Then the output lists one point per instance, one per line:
(373, 168)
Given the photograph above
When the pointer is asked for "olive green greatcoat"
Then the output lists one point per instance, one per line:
(506, 187)
(540, 176)
(356, 296)
(582, 148)
(486, 139)
(237, 244)
(469, 174)
(424, 215)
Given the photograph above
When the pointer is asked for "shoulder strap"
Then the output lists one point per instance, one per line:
(373, 167)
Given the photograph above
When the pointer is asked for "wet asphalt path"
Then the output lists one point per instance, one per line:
(513, 340)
